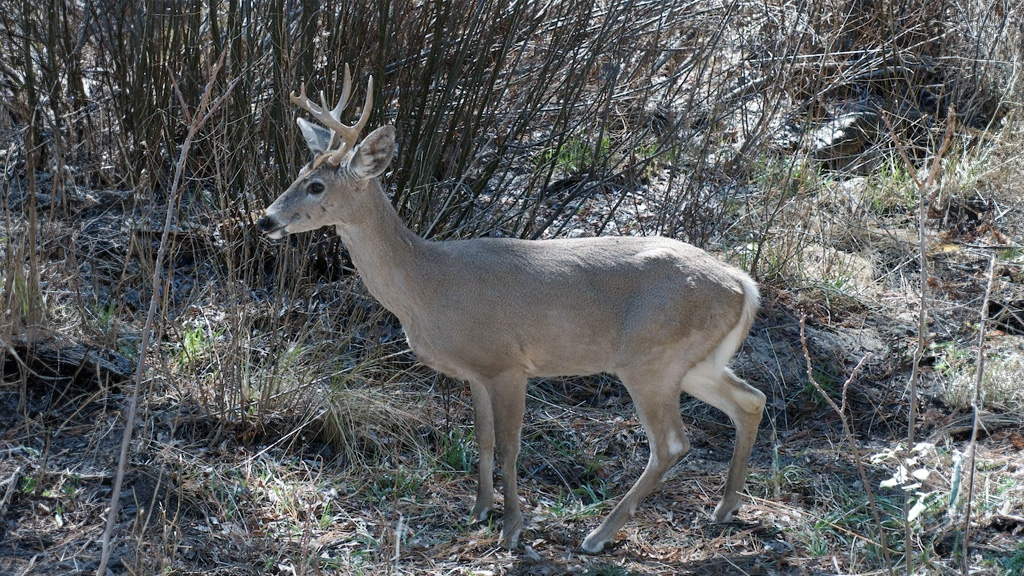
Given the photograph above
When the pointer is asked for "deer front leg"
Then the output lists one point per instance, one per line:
(483, 419)
(508, 403)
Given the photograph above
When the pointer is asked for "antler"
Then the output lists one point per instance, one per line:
(331, 119)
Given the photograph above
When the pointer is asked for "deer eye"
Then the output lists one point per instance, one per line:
(315, 187)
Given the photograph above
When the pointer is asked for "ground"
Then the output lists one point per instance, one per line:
(209, 493)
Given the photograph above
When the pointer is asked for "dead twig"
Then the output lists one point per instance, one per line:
(840, 410)
(923, 187)
(11, 486)
(976, 402)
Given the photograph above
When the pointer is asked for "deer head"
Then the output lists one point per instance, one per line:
(328, 189)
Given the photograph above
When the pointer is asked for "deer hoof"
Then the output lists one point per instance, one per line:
(593, 544)
(723, 513)
(509, 539)
(480, 512)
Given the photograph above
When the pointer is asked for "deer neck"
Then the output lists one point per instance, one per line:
(387, 254)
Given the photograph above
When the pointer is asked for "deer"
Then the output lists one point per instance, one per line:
(662, 315)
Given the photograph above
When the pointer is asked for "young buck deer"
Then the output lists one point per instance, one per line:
(662, 315)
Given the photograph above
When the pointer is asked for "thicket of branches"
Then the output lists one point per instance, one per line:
(512, 117)
(486, 96)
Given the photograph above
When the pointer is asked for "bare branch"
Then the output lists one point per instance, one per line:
(976, 402)
(202, 113)
(840, 410)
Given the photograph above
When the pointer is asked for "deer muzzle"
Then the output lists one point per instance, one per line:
(270, 227)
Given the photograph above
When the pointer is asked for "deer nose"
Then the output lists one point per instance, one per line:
(265, 224)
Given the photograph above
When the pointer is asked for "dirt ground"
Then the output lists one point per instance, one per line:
(211, 495)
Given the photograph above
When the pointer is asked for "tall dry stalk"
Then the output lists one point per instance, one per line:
(926, 189)
(976, 403)
(194, 121)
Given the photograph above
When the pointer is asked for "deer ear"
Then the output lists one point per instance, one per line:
(316, 137)
(373, 154)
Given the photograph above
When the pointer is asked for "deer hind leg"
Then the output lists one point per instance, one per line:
(743, 404)
(656, 397)
(483, 420)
